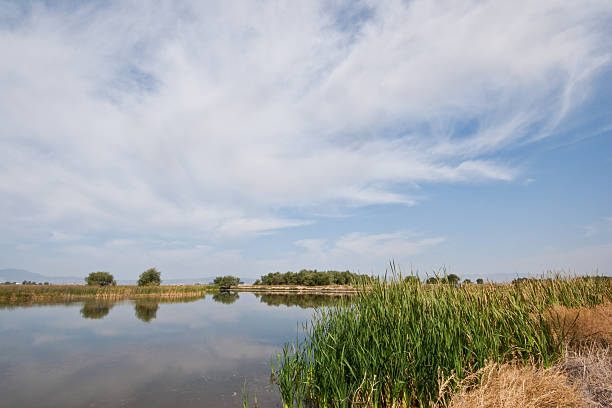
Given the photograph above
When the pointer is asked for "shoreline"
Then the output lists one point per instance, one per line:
(11, 294)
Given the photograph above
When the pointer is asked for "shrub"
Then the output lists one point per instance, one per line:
(150, 277)
(100, 279)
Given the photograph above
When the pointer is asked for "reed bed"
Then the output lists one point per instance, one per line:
(34, 293)
(404, 343)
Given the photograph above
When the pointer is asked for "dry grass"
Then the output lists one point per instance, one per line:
(583, 379)
(514, 386)
(591, 371)
(583, 327)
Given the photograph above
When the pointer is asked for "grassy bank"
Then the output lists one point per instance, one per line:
(409, 344)
(40, 293)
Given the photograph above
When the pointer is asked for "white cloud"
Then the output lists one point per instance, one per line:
(239, 226)
(205, 120)
(364, 252)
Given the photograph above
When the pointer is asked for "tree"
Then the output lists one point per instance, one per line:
(150, 277)
(412, 279)
(226, 282)
(100, 279)
(480, 281)
(467, 281)
(452, 279)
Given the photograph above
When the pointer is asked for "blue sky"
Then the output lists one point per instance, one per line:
(249, 137)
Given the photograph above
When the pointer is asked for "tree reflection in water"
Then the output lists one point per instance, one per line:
(96, 309)
(305, 301)
(146, 310)
(226, 297)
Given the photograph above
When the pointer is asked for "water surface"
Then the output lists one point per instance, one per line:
(148, 353)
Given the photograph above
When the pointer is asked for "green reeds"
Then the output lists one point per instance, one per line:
(404, 343)
(10, 294)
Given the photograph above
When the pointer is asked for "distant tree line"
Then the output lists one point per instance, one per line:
(307, 277)
(450, 279)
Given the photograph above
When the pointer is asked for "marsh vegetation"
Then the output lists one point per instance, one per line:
(42, 293)
(405, 343)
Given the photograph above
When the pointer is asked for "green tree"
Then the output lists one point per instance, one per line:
(412, 279)
(480, 281)
(467, 281)
(100, 279)
(452, 279)
(150, 277)
(226, 282)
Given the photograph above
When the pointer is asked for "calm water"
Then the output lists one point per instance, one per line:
(147, 353)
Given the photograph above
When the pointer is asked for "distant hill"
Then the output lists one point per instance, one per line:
(19, 275)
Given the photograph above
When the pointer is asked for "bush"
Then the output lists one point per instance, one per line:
(225, 282)
(150, 277)
(100, 279)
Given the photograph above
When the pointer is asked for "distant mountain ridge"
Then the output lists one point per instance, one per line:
(20, 275)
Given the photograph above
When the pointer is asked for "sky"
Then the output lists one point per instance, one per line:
(214, 137)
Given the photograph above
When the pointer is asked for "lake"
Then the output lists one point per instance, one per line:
(205, 352)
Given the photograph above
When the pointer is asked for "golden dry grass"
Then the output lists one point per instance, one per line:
(583, 379)
(513, 386)
(583, 327)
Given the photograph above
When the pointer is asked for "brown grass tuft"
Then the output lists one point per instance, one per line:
(514, 386)
(583, 327)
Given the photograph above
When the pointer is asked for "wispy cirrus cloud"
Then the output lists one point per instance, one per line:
(209, 120)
